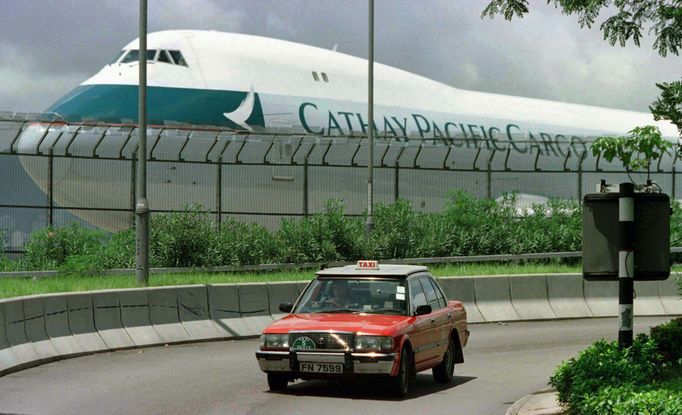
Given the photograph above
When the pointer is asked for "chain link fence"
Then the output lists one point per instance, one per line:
(53, 173)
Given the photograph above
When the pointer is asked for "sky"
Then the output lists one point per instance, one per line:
(49, 47)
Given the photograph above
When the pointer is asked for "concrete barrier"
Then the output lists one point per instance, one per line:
(280, 292)
(57, 325)
(194, 312)
(107, 309)
(34, 323)
(135, 317)
(82, 323)
(8, 359)
(647, 301)
(669, 294)
(254, 308)
(462, 289)
(37, 329)
(529, 297)
(16, 332)
(602, 298)
(566, 297)
(165, 315)
(493, 298)
(223, 300)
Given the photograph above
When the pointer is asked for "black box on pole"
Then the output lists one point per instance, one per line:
(601, 236)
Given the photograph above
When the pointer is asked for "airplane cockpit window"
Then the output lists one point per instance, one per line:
(178, 58)
(165, 57)
(118, 57)
(133, 55)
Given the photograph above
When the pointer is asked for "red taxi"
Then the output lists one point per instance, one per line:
(366, 319)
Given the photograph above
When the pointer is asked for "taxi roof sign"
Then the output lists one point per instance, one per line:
(367, 265)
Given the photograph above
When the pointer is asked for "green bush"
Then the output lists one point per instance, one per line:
(50, 247)
(668, 338)
(237, 243)
(119, 251)
(626, 400)
(398, 231)
(181, 239)
(604, 364)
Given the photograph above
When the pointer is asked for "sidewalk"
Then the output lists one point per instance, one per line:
(543, 402)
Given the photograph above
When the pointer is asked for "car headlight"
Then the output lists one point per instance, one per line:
(373, 343)
(274, 341)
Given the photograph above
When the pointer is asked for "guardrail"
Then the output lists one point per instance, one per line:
(44, 328)
(318, 265)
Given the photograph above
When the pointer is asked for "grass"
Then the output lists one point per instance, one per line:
(15, 287)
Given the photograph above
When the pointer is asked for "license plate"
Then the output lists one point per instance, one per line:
(321, 367)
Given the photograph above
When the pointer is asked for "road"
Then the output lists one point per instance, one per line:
(503, 362)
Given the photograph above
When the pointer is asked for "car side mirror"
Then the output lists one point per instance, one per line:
(423, 309)
(285, 307)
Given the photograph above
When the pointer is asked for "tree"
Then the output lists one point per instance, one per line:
(631, 18)
(669, 105)
(642, 147)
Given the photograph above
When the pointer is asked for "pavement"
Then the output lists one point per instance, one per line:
(542, 402)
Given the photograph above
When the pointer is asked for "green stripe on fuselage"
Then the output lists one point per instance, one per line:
(118, 103)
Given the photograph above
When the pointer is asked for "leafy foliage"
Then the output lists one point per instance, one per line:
(181, 239)
(237, 243)
(668, 338)
(643, 146)
(50, 247)
(669, 105)
(631, 19)
(604, 364)
(626, 400)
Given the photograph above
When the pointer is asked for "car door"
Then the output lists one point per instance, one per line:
(444, 317)
(437, 319)
(420, 328)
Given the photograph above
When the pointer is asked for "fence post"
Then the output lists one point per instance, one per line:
(133, 188)
(50, 187)
(396, 181)
(489, 184)
(580, 182)
(673, 190)
(219, 191)
(305, 186)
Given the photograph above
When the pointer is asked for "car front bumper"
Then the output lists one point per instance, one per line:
(359, 363)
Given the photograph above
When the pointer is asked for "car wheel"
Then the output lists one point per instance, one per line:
(444, 371)
(277, 381)
(400, 384)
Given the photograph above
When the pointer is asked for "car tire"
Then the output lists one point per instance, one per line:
(400, 384)
(445, 370)
(277, 381)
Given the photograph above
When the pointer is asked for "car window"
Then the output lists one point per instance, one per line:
(431, 298)
(417, 296)
(360, 295)
(439, 294)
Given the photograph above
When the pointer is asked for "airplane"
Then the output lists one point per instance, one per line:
(256, 84)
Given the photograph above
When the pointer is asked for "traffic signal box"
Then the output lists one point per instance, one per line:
(602, 236)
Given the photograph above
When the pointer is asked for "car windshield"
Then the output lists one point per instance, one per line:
(354, 295)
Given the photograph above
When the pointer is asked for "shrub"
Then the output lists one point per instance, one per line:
(119, 251)
(398, 231)
(626, 400)
(602, 365)
(237, 243)
(305, 241)
(50, 247)
(668, 338)
(181, 239)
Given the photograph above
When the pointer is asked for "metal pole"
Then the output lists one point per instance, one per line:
(626, 261)
(133, 188)
(219, 192)
(305, 186)
(396, 182)
(142, 206)
(50, 187)
(370, 117)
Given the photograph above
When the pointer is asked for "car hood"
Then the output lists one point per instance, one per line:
(362, 323)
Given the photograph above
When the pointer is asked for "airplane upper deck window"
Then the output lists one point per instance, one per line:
(315, 77)
(324, 77)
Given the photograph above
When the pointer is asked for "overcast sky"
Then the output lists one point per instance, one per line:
(49, 47)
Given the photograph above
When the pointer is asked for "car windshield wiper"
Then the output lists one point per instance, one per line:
(387, 311)
(340, 310)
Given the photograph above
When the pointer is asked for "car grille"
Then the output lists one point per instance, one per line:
(323, 341)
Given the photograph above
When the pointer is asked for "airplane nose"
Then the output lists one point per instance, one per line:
(34, 143)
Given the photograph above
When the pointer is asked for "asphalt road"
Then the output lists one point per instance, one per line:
(503, 362)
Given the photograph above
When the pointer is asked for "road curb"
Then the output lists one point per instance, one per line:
(543, 402)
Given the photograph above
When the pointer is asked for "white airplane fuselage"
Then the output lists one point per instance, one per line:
(260, 84)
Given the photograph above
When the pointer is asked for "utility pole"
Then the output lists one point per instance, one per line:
(142, 206)
(626, 261)
(370, 116)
